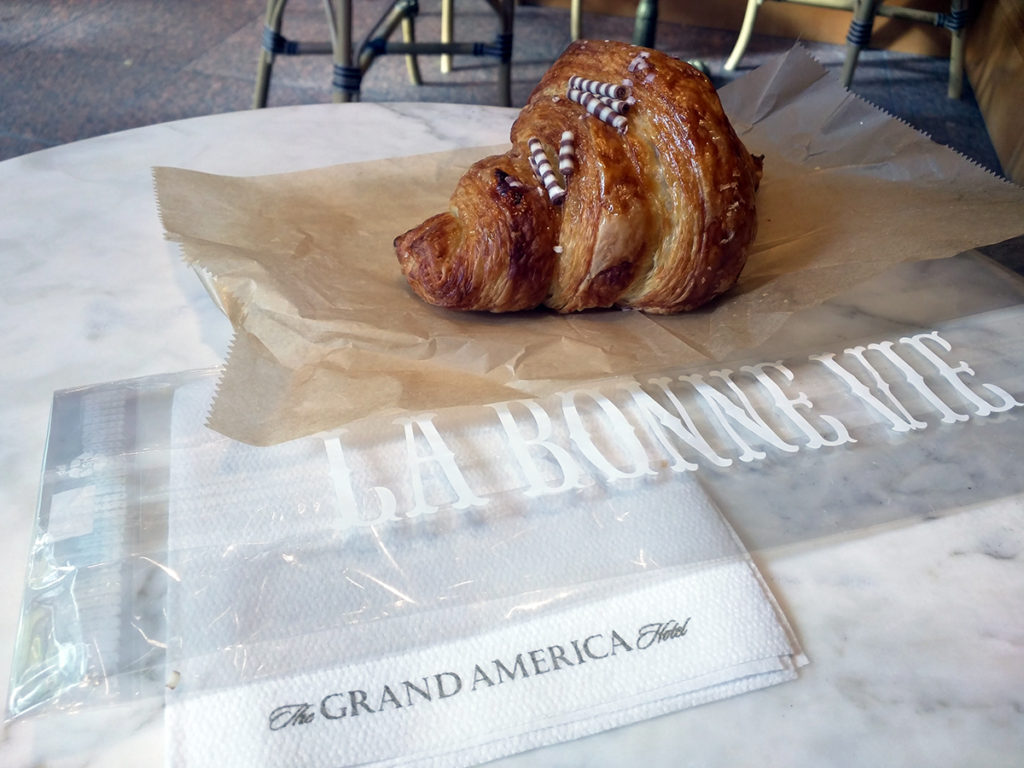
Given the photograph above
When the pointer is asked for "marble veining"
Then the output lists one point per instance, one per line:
(886, 620)
(913, 622)
(95, 294)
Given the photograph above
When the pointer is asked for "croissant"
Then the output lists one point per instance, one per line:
(625, 185)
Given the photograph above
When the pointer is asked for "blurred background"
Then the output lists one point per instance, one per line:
(73, 69)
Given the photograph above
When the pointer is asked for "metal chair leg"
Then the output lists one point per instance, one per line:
(746, 31)
(507, 12)
(265, 65)
(958, 30)
(576, 19)
(645, 26)
(858, 37)
(412, 64)
(447, 32)
(345, 83)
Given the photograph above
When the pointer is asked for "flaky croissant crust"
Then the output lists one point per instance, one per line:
(656, 217)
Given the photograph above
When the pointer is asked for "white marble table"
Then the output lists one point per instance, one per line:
(95, 294)
(915, 631)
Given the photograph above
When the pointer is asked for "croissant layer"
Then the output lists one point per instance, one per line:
(656, 211)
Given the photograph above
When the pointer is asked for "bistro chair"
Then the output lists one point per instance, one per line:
(859, 36)
(350, 65)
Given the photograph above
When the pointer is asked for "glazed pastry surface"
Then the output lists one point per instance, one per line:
(657, 215)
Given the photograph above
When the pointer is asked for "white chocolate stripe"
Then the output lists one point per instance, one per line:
(542, 167)
(608, 90)
(599, 109)
(566, 154)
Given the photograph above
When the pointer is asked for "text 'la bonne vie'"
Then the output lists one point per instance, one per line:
(670, 424)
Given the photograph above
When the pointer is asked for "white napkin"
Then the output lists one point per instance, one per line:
(453, 638)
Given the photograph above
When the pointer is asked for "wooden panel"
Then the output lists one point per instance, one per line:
(995, 68)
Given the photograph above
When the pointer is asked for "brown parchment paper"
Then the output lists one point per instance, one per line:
(327, 332)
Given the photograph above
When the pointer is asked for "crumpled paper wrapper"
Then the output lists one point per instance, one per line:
(328, 332)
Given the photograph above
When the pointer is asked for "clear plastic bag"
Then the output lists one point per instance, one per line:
(163, 548)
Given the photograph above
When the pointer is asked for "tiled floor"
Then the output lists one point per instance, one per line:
(71, 69)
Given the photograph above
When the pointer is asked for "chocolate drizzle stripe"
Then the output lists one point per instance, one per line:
(598, 88)
(599, 109)
(619, 106)
(566, 154)
(542, 167)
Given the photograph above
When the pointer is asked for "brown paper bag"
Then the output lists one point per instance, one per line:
(328, 332)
